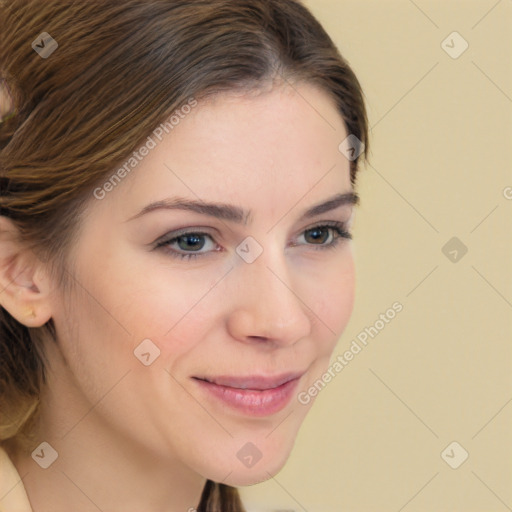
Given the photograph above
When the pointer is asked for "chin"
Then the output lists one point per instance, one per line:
(244, 477)
(272, 459)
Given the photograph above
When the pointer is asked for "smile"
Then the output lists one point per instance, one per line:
(252, 396)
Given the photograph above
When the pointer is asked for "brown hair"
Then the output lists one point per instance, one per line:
(121, 69)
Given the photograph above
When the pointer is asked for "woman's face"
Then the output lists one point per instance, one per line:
(264, 296)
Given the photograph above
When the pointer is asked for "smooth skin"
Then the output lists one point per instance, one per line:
(132, 437)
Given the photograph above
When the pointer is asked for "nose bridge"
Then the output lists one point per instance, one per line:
(267, 305)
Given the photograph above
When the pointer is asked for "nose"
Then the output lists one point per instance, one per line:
(267, 305)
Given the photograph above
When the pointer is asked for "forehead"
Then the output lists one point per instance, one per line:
(236, 148)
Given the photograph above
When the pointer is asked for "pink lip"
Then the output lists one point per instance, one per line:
(253, 395)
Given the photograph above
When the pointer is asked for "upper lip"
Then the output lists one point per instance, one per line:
(257, 382)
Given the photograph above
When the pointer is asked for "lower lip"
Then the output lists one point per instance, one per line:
(251, 402)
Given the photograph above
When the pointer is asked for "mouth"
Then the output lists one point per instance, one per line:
(253, 395)
(253, 382)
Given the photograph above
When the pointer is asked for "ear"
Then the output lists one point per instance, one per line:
(25, 290)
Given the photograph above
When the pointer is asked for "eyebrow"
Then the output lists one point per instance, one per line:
(239, 215)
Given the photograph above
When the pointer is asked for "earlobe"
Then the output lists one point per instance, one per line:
(24, 287)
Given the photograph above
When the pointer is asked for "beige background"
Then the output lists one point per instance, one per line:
(440, 371)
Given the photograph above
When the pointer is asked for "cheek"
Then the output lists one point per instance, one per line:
(151, 299)
(345, 292)
(175, 309)
(333, 296)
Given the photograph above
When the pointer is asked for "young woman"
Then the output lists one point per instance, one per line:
(176, 196)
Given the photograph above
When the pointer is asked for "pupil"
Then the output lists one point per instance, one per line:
(195, 240)
(316, 231)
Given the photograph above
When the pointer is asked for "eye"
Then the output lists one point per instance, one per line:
(333, 232)
(191, 241)
(189, 244)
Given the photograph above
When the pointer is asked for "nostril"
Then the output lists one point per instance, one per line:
(258, 338)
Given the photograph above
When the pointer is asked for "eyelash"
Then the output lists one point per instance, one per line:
(338, 227)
